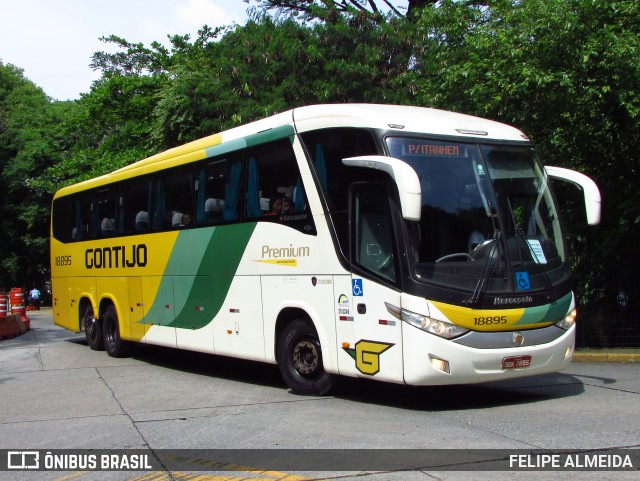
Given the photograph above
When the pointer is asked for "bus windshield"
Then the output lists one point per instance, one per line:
(488, 217)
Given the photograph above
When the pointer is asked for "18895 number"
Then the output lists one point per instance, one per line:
(61, 261)
(489, 320)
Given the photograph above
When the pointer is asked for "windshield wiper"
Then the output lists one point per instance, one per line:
(522, 241)
(482, 282)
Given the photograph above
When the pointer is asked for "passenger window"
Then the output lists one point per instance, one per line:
(81, 206)
(273, 186)
(137, 205)
(217, 185)
(172, 199)
(107, 213)
(327, 149)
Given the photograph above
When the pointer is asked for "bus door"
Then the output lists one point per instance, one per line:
(377, 348)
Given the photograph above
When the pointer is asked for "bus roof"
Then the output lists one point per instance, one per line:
(404, 118)
(400, 118)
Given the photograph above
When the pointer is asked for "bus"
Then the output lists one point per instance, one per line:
(403, 244)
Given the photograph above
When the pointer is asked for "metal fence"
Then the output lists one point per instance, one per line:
(608, 326)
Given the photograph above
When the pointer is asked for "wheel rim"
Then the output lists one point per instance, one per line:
(306, 356)
(91, 327)
(110, 332)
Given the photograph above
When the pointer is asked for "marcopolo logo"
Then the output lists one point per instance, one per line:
(505, 301)
(283, 256)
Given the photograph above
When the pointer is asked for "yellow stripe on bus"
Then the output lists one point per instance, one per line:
(481, 319)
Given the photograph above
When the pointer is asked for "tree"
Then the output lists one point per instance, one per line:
(567, 73)
(28, 143)
(374, 10)
(271, 65)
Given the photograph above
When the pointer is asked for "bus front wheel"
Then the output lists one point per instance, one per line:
(92, 329)
(113, 343)
(300, 360)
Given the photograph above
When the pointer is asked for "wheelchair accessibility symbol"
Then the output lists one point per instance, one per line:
(356, 287)
(522, 281)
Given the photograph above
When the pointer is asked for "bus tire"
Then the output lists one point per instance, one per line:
(92, 329)
(113, 343)
(300, 360)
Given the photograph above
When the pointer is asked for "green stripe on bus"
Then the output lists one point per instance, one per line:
(270, 135)
(213, 255)
(548, 313)
(225, 147)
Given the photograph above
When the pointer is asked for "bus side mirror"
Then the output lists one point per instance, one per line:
(404, 176)
(592, 199)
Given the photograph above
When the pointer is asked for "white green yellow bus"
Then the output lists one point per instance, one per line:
(396, 243)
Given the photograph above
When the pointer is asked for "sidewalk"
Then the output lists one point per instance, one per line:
(607, 355)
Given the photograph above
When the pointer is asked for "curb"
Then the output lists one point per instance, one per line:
(630, 357)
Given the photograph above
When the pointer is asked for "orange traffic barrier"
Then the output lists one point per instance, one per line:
(4, 304)
(17, 305)
(11, 326)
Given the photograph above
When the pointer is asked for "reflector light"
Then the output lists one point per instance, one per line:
(440, 364)
(569, 352)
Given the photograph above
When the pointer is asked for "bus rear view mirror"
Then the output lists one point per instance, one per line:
(592, 199)
(404, 176)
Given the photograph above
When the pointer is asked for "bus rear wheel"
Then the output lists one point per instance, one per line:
(113, 343)
(300, 360)
(92, 329)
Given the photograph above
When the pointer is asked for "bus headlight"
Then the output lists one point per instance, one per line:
(432, 326)
(568, 321)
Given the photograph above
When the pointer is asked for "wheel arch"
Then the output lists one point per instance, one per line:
(83, 302)
(105, 302)
(326, 334)
(285, 317)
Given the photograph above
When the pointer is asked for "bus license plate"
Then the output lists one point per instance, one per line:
(516, 362)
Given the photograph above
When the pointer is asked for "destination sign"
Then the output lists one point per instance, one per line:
(433, 149)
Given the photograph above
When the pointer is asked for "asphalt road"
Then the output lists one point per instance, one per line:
(56, 393)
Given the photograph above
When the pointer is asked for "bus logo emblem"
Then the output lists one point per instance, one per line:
(367, 355)
(518, 339)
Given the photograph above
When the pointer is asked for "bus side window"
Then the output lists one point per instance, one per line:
(178, 197)
(105, 213)
(63, 219)
(211, 192)
(273, 185)
(81, 217)
(136, 205)
(327, 148)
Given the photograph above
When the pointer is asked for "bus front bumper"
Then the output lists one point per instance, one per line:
(430, 360)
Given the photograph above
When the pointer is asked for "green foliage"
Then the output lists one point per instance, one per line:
(270, 65)
(27, 145)
(567, 73)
